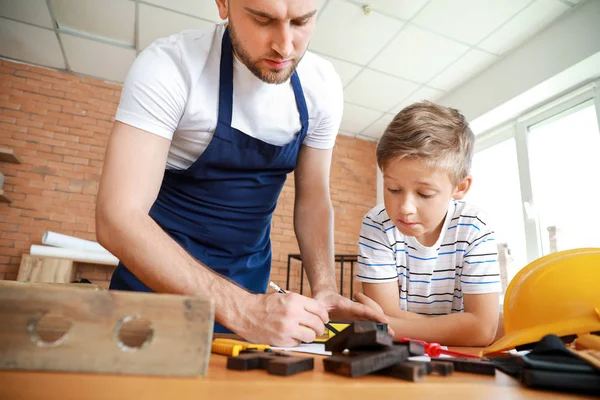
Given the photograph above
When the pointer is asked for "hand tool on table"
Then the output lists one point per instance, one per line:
(232, 347)
(435, 349)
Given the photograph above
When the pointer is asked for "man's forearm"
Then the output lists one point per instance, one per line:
(163, 265)
(313, 225)
(458, 329)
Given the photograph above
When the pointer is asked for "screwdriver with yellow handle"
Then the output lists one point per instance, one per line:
(232, 347)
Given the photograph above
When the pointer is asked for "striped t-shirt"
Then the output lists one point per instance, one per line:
(432, 280)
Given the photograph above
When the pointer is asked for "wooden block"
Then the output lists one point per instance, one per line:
(472, 365)
(53, 328)
(285, 366)
(337, 344)
(45, 269)
(425, 364)
(4, 198)
(360, 335)
(274, 363)
(408, 371)
(366, 340)
(358, 363)
(9, 156)
(442, 368)
(414, 348)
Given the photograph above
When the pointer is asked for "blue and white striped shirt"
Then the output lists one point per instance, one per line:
(432, 280)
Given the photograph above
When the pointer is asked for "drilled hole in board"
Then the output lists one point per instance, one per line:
(133, 333)
(49, 330)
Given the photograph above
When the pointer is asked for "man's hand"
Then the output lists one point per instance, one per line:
(343, 309)
(282, 319)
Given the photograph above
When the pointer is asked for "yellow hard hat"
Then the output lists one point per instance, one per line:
(557, 294)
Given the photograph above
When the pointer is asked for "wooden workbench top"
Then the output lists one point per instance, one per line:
(222, 383)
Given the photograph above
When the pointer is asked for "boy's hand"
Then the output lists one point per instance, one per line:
(343, 309)
(367, 301)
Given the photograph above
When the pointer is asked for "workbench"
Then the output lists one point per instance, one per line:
(221, 383)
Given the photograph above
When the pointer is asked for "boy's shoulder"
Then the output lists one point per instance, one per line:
(378, 214)
(469, 214)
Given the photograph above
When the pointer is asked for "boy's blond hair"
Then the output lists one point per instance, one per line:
(439, 136)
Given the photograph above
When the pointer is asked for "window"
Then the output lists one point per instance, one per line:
(536, 177)
(496, 190)
(564, 162)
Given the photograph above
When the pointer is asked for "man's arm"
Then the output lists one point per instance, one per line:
(313, 217)
(476, 326)
(313, 224)
(131, 178)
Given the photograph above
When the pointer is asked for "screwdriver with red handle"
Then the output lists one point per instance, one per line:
(435, 349)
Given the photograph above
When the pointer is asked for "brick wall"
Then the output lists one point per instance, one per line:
(59, 123)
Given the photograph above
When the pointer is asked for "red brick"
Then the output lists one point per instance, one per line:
(81, 132)
(14, 236)
(76, 160)
(74, 111)
(51, 142)
(11, 91)
(51, 156)
(9, 104)
(56, 128)
(43, 185)
(40, 132)
(78, 146)
(45, 119)
(26, 86)
(33, 107)
(70, 92)
(66, 137)
(54, 96)
(13, 79)
(30, 176)
(56, 179)
(28, 122)
(8, 227)
(8, 120)
(61, 165)
(94, 141)
(6, 70)
(60, 116)
(53, 80)
(61, 150)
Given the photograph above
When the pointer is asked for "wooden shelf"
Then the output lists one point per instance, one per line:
(3, 198)
(8, 155)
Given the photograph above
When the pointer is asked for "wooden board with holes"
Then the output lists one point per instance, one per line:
(54, 328)
(45, 269)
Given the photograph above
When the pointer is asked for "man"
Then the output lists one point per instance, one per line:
(224, 110)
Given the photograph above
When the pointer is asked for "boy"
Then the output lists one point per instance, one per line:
(427, 259)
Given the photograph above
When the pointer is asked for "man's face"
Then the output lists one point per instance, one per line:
(269, 36)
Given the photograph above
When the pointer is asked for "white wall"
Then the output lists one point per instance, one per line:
(570, 40)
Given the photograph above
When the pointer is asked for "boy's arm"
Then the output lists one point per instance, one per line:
(476, 326)
(385, 295)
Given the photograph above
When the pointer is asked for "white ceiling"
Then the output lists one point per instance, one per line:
(400, 52)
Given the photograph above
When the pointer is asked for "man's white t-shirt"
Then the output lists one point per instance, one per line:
(432, 280)
(172, 90)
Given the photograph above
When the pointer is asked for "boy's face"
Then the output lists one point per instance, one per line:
(416, 197)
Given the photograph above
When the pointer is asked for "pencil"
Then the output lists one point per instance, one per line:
(280, 290)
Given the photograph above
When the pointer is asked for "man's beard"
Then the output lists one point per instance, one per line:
(271, 75)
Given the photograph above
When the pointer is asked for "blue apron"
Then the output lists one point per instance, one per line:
(219, 209)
